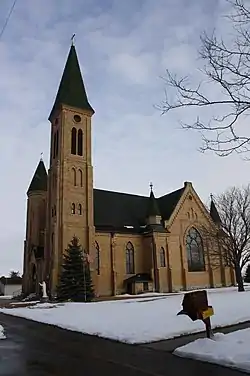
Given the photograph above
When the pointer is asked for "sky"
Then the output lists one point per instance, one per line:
(124, 48)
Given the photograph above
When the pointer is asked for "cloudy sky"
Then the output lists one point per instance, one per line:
(124, 48)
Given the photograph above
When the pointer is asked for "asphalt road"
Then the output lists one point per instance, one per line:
(33, 349)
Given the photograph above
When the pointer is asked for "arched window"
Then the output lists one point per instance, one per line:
(195, 251)
(162, 258)
(57, 142)
(97, 258)
(130, 265)
(73, 208)
(79, 142)
(73, 141)
(79, 209)
(74, 175)
(80, 177)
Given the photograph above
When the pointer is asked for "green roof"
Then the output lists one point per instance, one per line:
(39, 180)
(71, 90)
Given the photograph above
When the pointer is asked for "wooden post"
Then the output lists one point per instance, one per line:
(207, 323)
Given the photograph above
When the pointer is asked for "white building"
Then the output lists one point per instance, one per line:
(10, 286)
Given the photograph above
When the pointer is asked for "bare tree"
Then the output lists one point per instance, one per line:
(230, 240)
(226, 71)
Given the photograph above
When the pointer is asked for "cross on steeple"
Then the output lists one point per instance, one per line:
(41, 154)
(72, 39)
(151, 187)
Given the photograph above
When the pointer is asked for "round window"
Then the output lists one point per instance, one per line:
(77, 118)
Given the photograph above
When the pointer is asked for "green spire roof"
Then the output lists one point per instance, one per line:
(153, 209)
(39, 180)
(71, 89)
(214, 213)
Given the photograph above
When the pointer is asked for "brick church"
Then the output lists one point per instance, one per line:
(135, 243)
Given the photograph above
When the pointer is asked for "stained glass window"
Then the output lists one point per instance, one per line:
(130, 268)
(195, 251)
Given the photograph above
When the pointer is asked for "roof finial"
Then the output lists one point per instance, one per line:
(41, 156)
(211, 197)
(151, 187)
(72, 39)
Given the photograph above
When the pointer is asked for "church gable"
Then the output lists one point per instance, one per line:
(190, 209)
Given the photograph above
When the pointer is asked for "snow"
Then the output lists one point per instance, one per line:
(143, 295)
(6, 297)
(139, 320)
(2, 336)
(26, 303)
(230, 350)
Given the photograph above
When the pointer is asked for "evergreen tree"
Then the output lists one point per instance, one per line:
(75, 282)
(247, 274)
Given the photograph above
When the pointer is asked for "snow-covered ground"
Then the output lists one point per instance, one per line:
(2, 336)
(230, 350)
(139, 320)
(6, 297)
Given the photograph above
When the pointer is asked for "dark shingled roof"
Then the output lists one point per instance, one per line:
(11, 281)
(116, 210)
(71, 89)
(167, 203)
(39, 180)
(214, 213)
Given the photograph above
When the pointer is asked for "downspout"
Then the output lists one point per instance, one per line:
(156, 276)
(169, 271)
(113, 281)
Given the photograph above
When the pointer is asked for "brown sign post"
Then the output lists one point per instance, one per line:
(195, 305)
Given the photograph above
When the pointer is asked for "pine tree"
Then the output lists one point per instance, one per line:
(75, 282)
(247, 274)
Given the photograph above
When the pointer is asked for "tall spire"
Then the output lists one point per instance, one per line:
(39, 180)
(71, 90)
(214, 212)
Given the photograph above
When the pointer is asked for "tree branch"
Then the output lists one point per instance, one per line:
(227, 71)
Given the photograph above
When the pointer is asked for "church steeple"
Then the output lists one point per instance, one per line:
(71, 90)
(214, 212)
(39, 180)
(153, 209)
(153, 214)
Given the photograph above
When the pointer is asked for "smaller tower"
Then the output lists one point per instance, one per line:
(153, 212)
(35, 228)
(214, 212)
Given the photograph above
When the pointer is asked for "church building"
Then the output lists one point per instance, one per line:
(135, 243)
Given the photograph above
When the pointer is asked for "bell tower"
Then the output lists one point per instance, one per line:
(70, 177)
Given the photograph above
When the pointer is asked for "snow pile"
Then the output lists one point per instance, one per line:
(23, 302)
(230, 350)
(2, 336)
(138, 320)
(5, 297)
